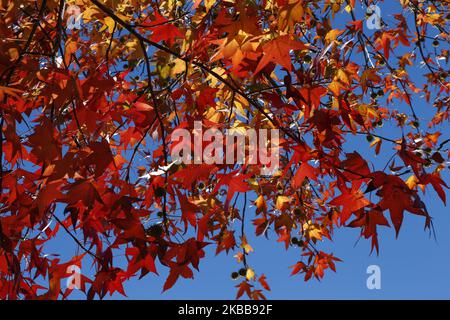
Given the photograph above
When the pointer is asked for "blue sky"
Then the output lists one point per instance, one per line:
(414, 266)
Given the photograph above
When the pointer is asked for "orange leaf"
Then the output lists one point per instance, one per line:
(278, 51)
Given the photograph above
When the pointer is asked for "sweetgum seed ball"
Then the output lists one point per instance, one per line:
(297, 211)
(155, 231)
(160, 192)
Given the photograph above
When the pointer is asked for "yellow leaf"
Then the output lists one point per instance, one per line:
(282, 202)
(412, 182)
(342, 76)
(261, 205)
(213, 80)
(335, 87)
(432, 18)
(404, 3)
(179, 67)
(368, 111)
(132, 45)
(377, 143)
(240, 104)
(244, 245)
(250, 274)
(164, 71)
(332, 35)
(312, 231)
(290, 14)
(109, 23)
(248, 248)
(209, 4)
(71, 48)
(239, 128)
(213, 116)
(90, 13)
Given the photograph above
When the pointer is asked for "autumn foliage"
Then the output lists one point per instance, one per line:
(87, 115)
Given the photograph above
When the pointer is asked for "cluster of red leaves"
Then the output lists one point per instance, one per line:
(86, 118)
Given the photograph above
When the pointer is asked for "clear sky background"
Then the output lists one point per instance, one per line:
(416, 265)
